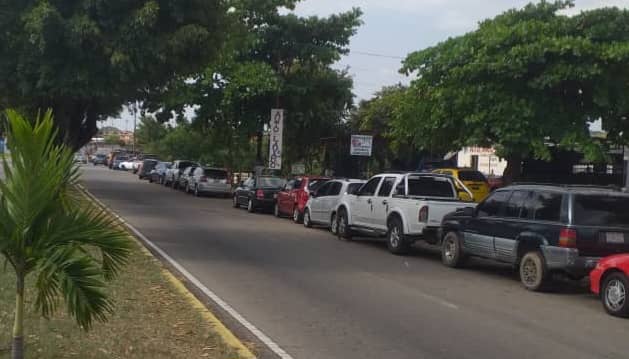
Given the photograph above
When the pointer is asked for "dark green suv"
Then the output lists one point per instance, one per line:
(540, 229)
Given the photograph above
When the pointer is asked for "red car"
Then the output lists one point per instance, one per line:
(291, 200)
(610, 280)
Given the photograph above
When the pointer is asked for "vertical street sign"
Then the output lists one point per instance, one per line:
(275, 139)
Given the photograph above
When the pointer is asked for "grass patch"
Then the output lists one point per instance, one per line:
(152, 320)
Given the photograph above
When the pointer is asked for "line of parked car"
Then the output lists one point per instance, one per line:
(540, 229)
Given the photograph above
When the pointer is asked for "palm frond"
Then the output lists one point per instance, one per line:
(78, 277)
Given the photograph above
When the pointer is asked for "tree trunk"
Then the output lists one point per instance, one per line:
(514, 169)
(17, 347)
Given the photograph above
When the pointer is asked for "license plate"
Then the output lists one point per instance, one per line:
(615, 238)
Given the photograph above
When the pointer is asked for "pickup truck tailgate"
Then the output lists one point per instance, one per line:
(437, 209)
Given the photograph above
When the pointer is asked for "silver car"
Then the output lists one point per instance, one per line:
(207, 180)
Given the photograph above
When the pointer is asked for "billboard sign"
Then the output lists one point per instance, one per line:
(275, 139)
(361, 145)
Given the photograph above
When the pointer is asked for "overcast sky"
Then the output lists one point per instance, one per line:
(394, 28)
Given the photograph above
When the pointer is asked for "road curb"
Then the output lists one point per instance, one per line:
(218, 326)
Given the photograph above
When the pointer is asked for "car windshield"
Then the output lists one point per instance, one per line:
(215, 174)
(425, 186)
(270, 182)
(601, 210)
(472, 176)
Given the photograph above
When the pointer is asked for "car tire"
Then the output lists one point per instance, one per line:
(396, 241)
(250, 207)
(334, 225)
(614, 295)
(344, 231)
(276, 211)
(307, 221)
(173, 184)
(188, 188)
(150, 179)
(196, 191)
(452, 250)
(534, 274)
(297, 217)
(235, 202)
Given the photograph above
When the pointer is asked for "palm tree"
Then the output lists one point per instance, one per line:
(71, 248)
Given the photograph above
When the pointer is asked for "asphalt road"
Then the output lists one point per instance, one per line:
(318, 297)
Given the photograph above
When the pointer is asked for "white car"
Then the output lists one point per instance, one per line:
(127, 165)
(401, 207)
(321, 206)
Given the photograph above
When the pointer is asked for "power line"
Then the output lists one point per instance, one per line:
(373, 54)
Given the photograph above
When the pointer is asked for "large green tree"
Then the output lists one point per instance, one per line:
(525, 80)
(273, 59)
(86, 59)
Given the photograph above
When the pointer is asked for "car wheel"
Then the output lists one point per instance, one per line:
(276, 211)
(150, 179)
(173, 184)
(614, 295)
(396, 241)
(250, 207)
(235, 202)
(307, 221)
(297, 217)
(334, 224)
(533, 272)
(452, 250)
(187, 188)
(343, 226)
(196, 191)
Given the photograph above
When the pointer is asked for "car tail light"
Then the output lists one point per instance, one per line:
(203, 179)
(423, 214)
(260, 194)
(568, 238)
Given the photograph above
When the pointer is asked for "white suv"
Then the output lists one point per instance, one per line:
(322, 204)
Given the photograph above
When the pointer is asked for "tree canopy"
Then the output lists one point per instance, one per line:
(525, 80)
(85, 59)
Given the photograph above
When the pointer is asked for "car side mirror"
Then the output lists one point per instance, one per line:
(313, 194)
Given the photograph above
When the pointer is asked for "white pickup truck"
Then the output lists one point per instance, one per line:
(403, 207)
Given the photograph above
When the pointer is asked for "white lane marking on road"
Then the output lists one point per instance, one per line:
(438, 300)
(274, 347)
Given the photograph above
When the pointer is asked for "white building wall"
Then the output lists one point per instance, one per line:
(488, 162)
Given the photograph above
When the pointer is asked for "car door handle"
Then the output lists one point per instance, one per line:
(369, 201)
(385, 202)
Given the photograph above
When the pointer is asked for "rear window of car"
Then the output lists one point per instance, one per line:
(270, 182)
(314, 185)
(352, 187)
(215, 174)
(600, 210)
(430, 187)
(472, 176)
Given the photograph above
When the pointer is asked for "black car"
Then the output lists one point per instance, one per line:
(258, 193)
(540, 229)
(146, 167)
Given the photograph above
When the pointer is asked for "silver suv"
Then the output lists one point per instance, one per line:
(206, 180)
